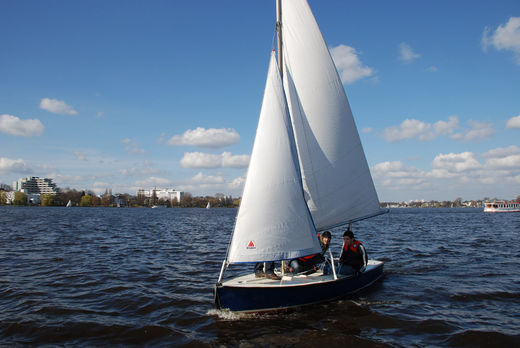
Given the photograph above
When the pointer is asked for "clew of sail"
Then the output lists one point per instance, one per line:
(273, 221)
(336, 177)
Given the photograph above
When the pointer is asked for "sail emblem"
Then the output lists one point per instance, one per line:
(251, 245)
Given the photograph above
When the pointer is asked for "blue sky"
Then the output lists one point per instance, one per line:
(134, 94)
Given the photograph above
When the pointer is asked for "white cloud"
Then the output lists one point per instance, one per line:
(202, 137)
(452, 175)
(513, 122)
(412, 128)
(408, 129)
(205, 160)
(14, 126)
(478, 131)
(348, 64)
(456, 162)
(506, 37)
(8, 165)
(511, 161)
(132, 146)
(395, 174)
(207, 179)
(237, 183)
(406, 53)
(503, 158)
(445, 128)
(57, 107)
(502, 151)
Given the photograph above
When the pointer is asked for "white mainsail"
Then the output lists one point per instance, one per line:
(307, 170)
(273, 221)
(336, 176)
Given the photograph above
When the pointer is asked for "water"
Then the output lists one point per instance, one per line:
(144, 277)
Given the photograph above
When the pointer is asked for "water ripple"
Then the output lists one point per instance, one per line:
(144, 277)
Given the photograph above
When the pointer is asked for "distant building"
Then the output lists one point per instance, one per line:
(35, 185)
(168, 194)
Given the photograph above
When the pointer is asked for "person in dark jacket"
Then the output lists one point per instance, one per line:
(312, 262)
(353, 257)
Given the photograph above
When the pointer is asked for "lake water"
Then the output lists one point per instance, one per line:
(144, 277)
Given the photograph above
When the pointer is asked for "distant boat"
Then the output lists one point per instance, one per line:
(307, 173)
(69, 204)
(501, 207)
(158, 206)
(208, 206)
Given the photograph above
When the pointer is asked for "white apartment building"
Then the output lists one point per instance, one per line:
(168, 194)
(35, 185)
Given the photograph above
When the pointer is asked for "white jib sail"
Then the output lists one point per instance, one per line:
(336, 176)
(273, 221)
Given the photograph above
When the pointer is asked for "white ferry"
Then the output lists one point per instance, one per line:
(501, 207)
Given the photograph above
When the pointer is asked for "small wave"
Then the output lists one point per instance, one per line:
(228, 315)
(497, 295)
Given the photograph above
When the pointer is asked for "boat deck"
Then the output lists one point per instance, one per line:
(249, 280)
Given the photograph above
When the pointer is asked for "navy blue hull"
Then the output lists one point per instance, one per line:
(258, 299)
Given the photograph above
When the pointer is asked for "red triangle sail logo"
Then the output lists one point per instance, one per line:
(251, 244)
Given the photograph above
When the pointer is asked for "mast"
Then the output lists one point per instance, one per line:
(279, 34)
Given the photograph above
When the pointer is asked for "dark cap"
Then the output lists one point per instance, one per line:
(348, 233)
(326, 234)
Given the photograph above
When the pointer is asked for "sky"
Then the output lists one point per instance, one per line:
(125, 95)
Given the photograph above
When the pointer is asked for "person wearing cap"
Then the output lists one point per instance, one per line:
(353, 257)
(307, 263)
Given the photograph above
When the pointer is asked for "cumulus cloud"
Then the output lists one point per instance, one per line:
(513, 122)
(207, 179)
(503, 158)
(201, 137)
(412, 128)
(478, 131)
(406, 53)
(8, 165)
(455, 174)
(505, 37)
(457, 162)
(237, 183)
(396, 174)
(349, 65)
(57, 107)
(205, 160)
(132, 146)
(15, 126)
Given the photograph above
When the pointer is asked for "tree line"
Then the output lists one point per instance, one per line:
(87, 198)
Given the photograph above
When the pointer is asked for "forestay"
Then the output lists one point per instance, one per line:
(273, 221)
(336, 177)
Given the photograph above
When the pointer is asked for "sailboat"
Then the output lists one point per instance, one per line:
(308, 153)
(69, 204)
(208, 206)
